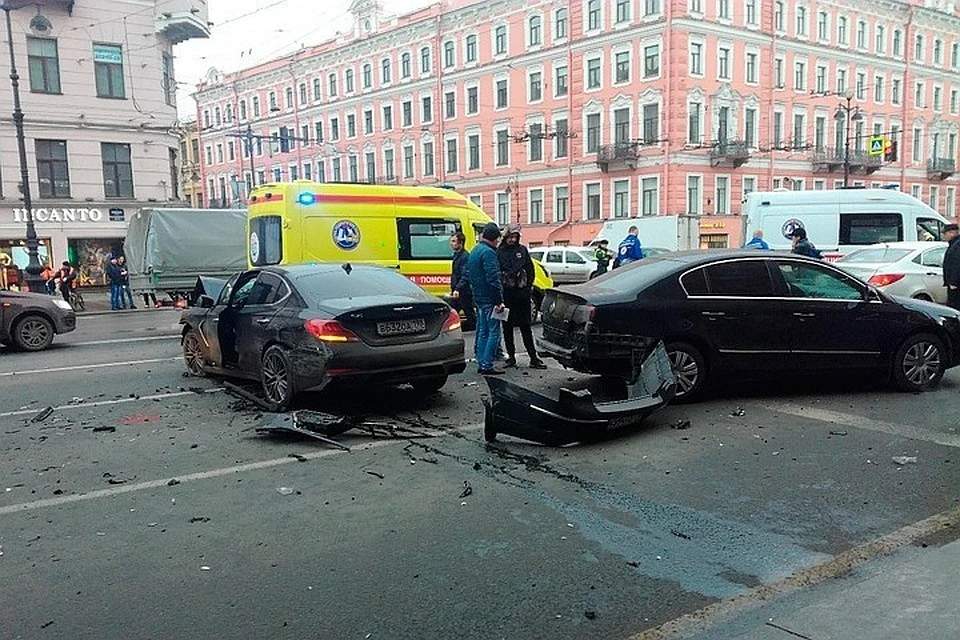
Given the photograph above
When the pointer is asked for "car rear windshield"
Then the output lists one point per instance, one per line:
(327, 285)
(878, 255)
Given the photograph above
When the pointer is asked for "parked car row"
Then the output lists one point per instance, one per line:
(573, 265)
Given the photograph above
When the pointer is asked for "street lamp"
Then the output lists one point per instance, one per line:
(846, 113)
(34, 268)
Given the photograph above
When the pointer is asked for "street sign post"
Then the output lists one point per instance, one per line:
(877, 144)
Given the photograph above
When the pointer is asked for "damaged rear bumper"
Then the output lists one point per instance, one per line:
(582, 414)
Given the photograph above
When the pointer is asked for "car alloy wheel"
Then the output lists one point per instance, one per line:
(277, 378)
(688, 368)
(193, 353)
(33, 333)
(921, 362)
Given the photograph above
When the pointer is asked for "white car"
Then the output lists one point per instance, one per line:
(567, 265)
(909, 269)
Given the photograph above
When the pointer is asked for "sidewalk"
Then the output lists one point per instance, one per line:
(97, 302)
(911, 595)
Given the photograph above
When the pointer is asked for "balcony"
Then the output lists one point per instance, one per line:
(181, 20)
(941, 168)
(729, 153)
(622, 153)
(829, 160)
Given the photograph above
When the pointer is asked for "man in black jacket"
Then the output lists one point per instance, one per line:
(951, 265)
(517, 272)
(461, 294)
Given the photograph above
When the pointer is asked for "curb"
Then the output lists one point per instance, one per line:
(111, 312)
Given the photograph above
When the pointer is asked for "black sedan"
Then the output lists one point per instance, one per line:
(306, 327)
(742, 314)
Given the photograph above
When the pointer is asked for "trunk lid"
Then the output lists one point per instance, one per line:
(401, 321)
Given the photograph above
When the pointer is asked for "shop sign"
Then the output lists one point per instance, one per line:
(116, 215)
(718, 224)
(53, 214)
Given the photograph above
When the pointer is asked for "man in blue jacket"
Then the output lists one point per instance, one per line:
(630, 249)
(484, 270)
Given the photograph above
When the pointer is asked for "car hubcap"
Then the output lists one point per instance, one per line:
(921, 363)
(686, 370)
(275, 378)
(192, 354)
(33, 333)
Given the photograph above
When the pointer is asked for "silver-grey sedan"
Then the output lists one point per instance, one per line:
(908, 269)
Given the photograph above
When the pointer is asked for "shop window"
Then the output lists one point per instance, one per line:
(90, 256)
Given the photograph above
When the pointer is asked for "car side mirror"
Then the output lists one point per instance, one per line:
(206, 302)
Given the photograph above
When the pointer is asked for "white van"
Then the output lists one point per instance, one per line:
(842, 220)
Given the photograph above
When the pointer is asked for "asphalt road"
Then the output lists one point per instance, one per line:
(146, 506)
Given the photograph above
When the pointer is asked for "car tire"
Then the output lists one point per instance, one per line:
(429, 385)
(690, 368)
(193, 353)
(276, 378)
(923, 296)
(32, 333)
(919, 363)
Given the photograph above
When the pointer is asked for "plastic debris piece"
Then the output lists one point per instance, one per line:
(467, 489)
(204, 568)
(738, 412)
(173, 482)
(285, 491)
(902, 460)
(838, 433)
(590, 614)
(374, 473)
(43, 415)
(298, 457)
(680, 425)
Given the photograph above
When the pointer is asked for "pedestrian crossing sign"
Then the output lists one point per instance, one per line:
(877, 144)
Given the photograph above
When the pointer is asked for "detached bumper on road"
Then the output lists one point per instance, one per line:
(578, 415)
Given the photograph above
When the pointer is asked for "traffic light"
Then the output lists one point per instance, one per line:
(890, 150)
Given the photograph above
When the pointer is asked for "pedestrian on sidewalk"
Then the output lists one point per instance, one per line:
(126, 295)
(951, 265)
(487, 289)
(115, 279)
(64, 279)
(460, 292)
(517, 272)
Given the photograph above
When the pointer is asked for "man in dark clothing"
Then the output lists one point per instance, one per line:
(115, 278)
(126, 294)
(461, 294)
(488, 293)
(517, 272)
(951, 265)
(603, 256)
(64, 278)
(802, 246)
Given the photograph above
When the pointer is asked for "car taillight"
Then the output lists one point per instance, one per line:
(886, 279)
(329, 331)
(453, 321)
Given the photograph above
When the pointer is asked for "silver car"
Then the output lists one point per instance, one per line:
(567, 265)
(909, 269)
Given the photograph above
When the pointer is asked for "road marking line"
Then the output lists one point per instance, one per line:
(91, 343)
(103, 403)
(858, 422)
(81, 367)
(711, 616)
(207, 475)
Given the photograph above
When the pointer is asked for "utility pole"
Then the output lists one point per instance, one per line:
(846, 113)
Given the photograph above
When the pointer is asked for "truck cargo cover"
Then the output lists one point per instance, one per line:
(192, 240)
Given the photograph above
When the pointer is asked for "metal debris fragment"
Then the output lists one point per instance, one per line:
(285, 491)
(374, 473)
(467, 489)
(43, 415)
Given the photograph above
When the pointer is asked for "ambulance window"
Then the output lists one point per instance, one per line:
(426, 239)
(266, 240)
(870, 228)
(929, 229)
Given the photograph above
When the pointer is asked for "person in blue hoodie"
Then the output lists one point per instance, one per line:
(757, 242)
(630, 249)
(484, 269)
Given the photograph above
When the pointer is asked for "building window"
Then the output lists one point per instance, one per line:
(749, 185)
(428, 161)
(880, 43)
(651, 123)
(752, 70)
(778, 73)
(44, 64)
(367, 75)
(650, 197)
(473, 152)
(167, 82)
(622, 12)
(367, 122)
(386, 71)
(593, 201)
(622, 67)
(502, 96)
(408, 162)
(561, 128)
(353, 170)
(302, 93)
(878, 89)
(503, 148)
(389, 172)
(800, 76)
(842, 30)
(801, 14)
(331, 88)
(405, 66)
(334, 129)
(694, 123)
(427, 110)
(388, 118)
(449, 54)
(593, 15)
(938, 99)
(593, 133)
(861, 34)
(108, 69)
(449, 105)
(535, 31)
(918, 48)
(750, 127)
(821, 79)
(823, 26)
(723, 195)
(473, 100)
(751, 6)
(52, 172)
(425, 60)
(778, 16)
(453, 155)
(471, 48)
(255, 102)
(621, 198)
(318, 131)
(536, 206)
(500, 40)
(348, 81)
(351, 126)
(593, 73)
(560, 82)
(938, 52)
(561, 203)
(723, 9)
(696, 59)
(406, 110)
(799, 130)
(651, 61)
(536, 86)
(117, 170)
(621, 126)
(723, 63)
(503, 208)
(693, 194)
(560, 24)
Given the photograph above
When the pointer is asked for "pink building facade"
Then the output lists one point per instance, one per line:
(563, 114)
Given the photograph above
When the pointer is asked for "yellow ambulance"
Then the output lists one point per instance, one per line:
(399, 227)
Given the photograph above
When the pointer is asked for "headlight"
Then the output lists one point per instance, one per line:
(63, 304)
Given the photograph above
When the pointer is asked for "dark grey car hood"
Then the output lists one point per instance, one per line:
(26, 297)
(932, 309)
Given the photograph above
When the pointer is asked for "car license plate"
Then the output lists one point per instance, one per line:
(401, 327)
